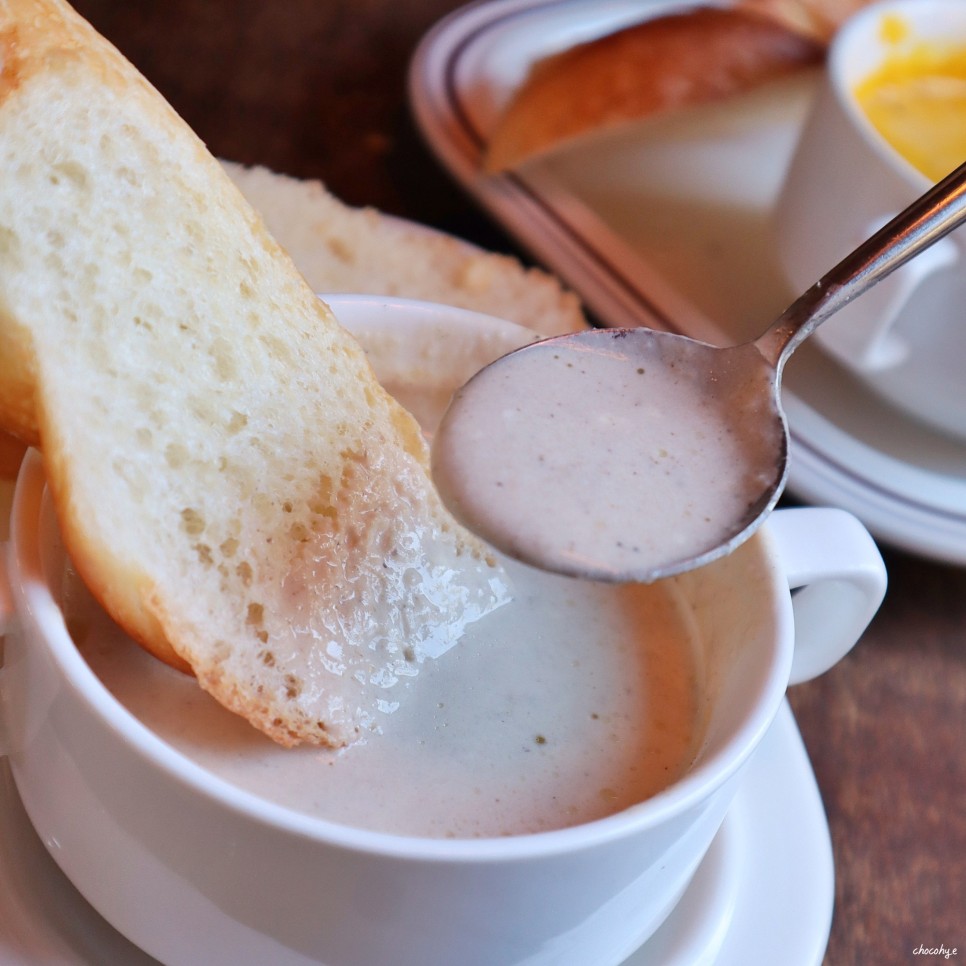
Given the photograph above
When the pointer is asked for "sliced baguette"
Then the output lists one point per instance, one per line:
(231, 481)
(666, 63)
(341, 249)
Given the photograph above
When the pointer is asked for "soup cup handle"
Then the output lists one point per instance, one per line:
(862, 335)
(837, 578)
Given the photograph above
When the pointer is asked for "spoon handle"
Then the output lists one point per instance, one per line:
(924, 222)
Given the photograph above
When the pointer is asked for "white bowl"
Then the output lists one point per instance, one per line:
(195, 870)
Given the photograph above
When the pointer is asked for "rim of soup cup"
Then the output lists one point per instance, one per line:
(699, 783)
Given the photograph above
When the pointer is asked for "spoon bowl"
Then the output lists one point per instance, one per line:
(633, 454)
(611, 488)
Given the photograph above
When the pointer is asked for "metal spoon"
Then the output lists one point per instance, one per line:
(632, 454)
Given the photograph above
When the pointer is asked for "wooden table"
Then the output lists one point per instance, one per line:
(316, 88)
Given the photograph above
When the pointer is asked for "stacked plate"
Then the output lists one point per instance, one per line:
(668, 223)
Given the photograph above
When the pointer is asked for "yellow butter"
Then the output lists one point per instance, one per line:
(916, 99)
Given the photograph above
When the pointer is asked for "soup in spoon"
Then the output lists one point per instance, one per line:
(643, 459)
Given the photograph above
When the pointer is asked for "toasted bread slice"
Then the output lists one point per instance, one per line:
(672, 61)
(231, 481)
(341, 249)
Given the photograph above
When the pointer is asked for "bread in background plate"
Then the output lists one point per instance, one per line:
(690, 56)
(231, 481)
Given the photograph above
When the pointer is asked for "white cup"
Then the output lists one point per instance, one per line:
(194, 870)
(906, 337)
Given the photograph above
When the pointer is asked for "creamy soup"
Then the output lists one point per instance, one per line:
(916, 99)
(574, 701)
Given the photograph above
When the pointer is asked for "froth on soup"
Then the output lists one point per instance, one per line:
(575, 701)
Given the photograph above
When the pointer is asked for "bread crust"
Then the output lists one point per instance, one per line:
(42, 39)
(663, 64)
(33, 36)
(39, 38)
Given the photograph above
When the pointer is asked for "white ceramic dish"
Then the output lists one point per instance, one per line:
(743, 908)
(102, 789)
(668, 223)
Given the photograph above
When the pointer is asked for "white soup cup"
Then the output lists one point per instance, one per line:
(196, 871)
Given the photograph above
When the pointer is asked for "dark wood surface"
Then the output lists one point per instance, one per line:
(316, 88)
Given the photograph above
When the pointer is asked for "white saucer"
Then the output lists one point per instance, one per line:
(762, 895)
(765, 891)
(632, 220)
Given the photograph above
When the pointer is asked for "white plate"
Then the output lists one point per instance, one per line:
(763, 894)
(667, 223)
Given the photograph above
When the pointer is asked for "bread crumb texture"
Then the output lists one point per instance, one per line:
(341, 249)
(232, 482)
